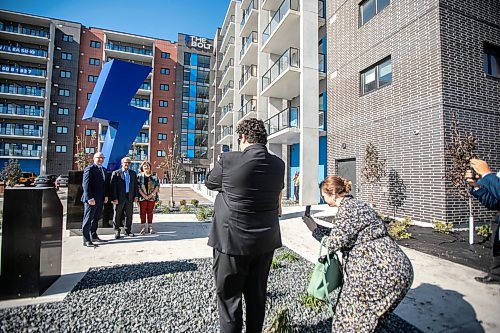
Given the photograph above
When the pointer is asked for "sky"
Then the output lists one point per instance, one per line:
(161, 19)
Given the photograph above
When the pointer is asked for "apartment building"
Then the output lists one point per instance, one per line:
(271, 60)
(38, 88)
(397, 73)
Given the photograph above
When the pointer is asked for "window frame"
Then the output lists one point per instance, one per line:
(376, 11)
(62, 111)
(161, 122)
(491, 51)
(61, 149)
(64, 92)
(64, 129)
(64, 56)
(92, 61)
(165, 55)
(165, 71)
(67, 38)
(375, 66)
(95, 44)
(163, 103)
(164, 85)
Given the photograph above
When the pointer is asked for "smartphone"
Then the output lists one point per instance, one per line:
(308, 211)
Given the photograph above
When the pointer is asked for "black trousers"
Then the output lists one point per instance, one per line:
(495, 244)
(124, 207)
(91, 216)
(236, 276)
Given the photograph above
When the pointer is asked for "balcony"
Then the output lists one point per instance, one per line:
(270, 5)
(21, 111)
(138, 157)
(282, 80)
(228, 54)
(140, 140)
(24, 33)
(22, 133)
(146, 124)
(284, 127)
(227, 94)
(226, 116)
(321, 13)
(227, 36)
(17, 52)
(250, 19)
(119, 50)
(144, 89)
(25, 153)
(248, 110)
(140, 103)
(25, 73)
(248, 53)
(248, 81)
(322, 65)
(13, 91)
(283, 30)
(226, 136)
(227, 73)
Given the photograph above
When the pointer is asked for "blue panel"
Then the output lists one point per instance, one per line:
(190, 139)
(193, 75)
(109, 104)
(294, 165)
(194, 59)
(191, 123)
(192, 90)
(324, 111)
(26, 165)
(190, 153)
(192, 106)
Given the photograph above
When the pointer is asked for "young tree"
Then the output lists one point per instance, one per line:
(82, 157)
(172, 168)
(11, 173)
(374, 168)
(460, 151)
(397, 190)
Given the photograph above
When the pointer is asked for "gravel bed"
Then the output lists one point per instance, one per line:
(175, 296)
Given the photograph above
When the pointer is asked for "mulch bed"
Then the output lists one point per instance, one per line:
(454, 246)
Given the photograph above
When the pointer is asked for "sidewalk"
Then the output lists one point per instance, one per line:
(444, 296)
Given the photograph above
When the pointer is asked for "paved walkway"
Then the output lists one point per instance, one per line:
(444, 295)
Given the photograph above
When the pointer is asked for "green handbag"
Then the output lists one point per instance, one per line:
(327, 274)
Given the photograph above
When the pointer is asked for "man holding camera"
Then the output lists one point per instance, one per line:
(487, 190)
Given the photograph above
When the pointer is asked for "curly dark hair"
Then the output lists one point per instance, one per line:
(254, 130)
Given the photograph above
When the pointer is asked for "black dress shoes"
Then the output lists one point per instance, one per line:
(128, 233)
(117, 234)
(487, 279)
(98, 240)
(89, 244)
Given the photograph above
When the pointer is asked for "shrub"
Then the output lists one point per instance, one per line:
(311, 302)
(185, 209)
(158, 204)
(183, 202)
(210, 212)
(194, 202)
(442, 227)
(201, 214)
(399, 229)
(166, 210)
(281, 323)
(484, 231)
(288, 256)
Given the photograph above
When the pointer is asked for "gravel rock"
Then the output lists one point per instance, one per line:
(173, 296)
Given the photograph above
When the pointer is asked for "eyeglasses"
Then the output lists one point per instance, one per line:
(126, 162)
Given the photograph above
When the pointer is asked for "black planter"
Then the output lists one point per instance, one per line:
(31, 241)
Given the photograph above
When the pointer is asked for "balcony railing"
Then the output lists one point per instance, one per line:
(226, 131)
(139, 157)
(288, 59)
(142, 139)
(228, 65)
(23, 50)
(321, 8)
(23, 70)
(23, 30)
(321, 118)
(229, 85)
(21, 131)
(285, 6)
(249, 106)
(250, 71)
(251, 6)
(229, 43)
(322, 62)
(231, 20)
(226, 109)
(129, 49)
(252, 38)
(20, 152)
(141, 103)
(20, 90)
(288, 118)
(145, 86)
(20, 110)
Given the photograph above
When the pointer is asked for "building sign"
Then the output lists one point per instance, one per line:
(201, 43)
(187, 161)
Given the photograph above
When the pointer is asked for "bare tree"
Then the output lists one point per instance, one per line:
(460, 151)
(82, 143)
(374, 168)
(172, 167)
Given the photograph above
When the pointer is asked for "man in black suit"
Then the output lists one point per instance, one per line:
(123, 192)
(245, 230)
(94, 197)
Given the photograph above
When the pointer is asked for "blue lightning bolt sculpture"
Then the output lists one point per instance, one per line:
(109, 104)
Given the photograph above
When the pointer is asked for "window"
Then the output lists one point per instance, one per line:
(89, 132)
(164, 87)
(95, 44)
(92, 78)
(162, 136)
(369, 8)
(64, 92)
(61, 130)
(165, 55)
(376, 76)
(94, 61)
(162, 120)
(60, 149)
(163, 103)
(89, 150)
(63, 111)
(160, 153)
(67, 38)
(492, 60)
(66, 74)
(165, 71)
(66, 56)
(88, 96)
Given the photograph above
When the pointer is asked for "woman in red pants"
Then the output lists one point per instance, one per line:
(149, 186)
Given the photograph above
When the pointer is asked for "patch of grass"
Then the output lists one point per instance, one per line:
(287, 256)
(169, 275)
(442, 227)
(484, 231)
(281, 323)
(399, 229)
(311, 302)
(275, 264)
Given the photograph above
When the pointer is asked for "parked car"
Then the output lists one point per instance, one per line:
(62, 180)
(27, 178)
(46, 181)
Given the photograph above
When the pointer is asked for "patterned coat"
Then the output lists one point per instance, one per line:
(377, 273)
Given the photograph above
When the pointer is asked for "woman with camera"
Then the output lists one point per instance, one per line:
(377, 273)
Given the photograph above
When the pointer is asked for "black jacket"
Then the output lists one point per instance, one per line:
(94, 186)
(246, 209)
(117, 186)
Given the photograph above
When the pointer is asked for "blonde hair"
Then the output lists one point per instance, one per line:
(336, 185)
